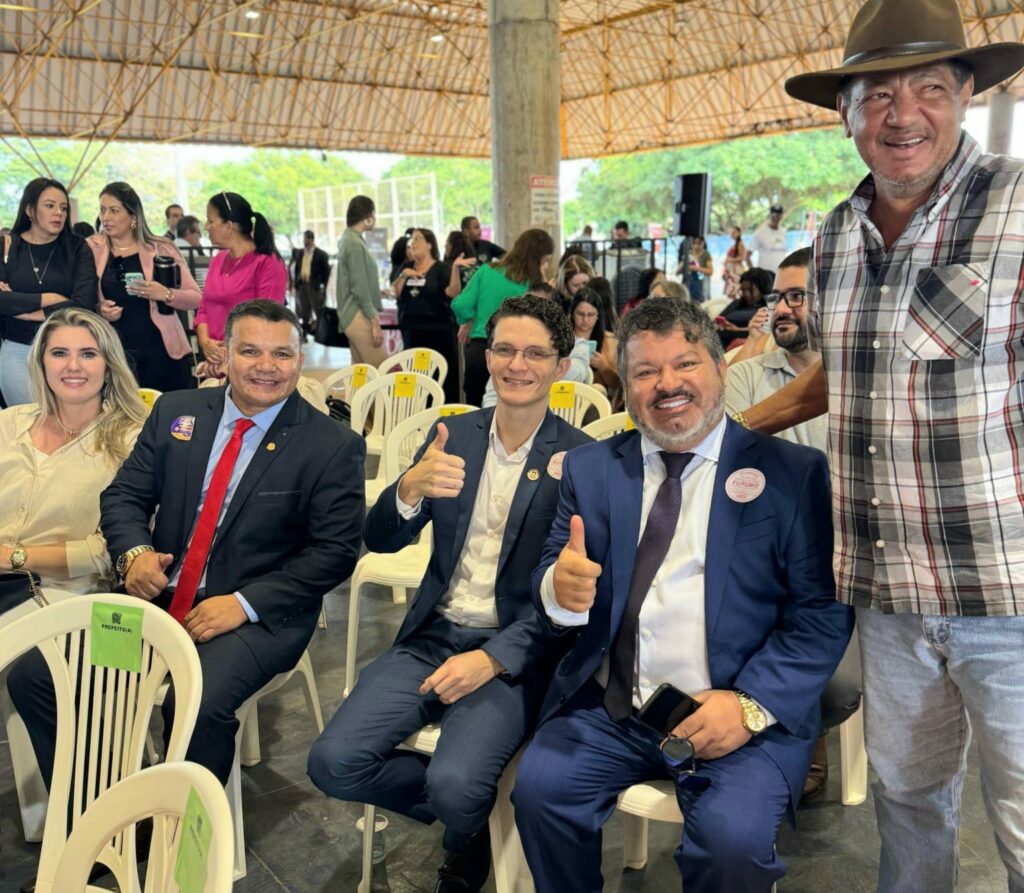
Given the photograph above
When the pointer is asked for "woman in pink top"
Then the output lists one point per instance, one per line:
(249, 267)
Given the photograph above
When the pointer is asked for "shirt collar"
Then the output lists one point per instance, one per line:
(263, 420)
(776, 359)
(499, 448)
(963, 161)
(708, 448)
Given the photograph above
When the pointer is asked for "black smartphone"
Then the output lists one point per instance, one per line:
(666, 708)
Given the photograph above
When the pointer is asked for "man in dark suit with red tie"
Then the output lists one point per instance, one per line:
(259, 508)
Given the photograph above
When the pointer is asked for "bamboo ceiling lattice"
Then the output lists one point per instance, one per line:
(412, 77)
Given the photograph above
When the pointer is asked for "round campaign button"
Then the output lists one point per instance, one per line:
(744, 485)
(555, 465)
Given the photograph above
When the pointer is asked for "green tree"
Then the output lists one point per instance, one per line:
(463, 187)
(810, 171)
(270, 180)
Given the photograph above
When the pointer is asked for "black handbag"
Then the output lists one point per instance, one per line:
(327, 332)
(340, 411)
(17, 587)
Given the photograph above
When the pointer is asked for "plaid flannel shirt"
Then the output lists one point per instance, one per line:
(922, 347)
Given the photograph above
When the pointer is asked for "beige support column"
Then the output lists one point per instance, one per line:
(1000, 122)
(525, 126)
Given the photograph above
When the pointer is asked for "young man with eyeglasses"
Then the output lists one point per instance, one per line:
(474, 653)
(751, 381)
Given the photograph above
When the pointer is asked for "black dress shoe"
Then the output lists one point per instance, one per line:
(467, 870)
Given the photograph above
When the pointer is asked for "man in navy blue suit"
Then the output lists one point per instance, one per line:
(696, 553)
(474, 653)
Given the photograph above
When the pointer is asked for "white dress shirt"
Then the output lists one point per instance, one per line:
(470, 600)
(672, 645)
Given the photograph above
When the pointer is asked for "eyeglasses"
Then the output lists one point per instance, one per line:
(794, 297)
(535, 355)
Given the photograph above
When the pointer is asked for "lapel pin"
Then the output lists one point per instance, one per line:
(271, 446)
(533, 474)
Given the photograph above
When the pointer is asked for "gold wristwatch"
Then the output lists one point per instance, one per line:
(754, 718)
(124, 562)
(18, 557)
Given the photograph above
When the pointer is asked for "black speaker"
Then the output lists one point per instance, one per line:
(691, 204)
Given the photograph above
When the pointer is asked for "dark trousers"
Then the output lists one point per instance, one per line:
(309, 298)
(444, 341)
(579, 761)
(231, 673)
(476, 371)
(356, 757)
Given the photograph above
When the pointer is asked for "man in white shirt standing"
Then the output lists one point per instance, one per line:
(769, 241)
(695, 553)
(474, 653)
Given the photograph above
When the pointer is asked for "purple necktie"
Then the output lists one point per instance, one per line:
(650, 553)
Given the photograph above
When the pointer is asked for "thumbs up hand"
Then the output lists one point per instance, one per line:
(575, 575)
(147, 576)
(438, 475)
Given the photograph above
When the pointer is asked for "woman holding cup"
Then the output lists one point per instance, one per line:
(143, 281)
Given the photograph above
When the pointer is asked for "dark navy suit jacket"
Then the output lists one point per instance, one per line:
(291, 530)
(774, 627)
(525, 636)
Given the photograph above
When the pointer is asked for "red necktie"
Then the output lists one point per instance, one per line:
(199, 549)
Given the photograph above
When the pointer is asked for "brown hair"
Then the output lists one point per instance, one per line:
(522, 263)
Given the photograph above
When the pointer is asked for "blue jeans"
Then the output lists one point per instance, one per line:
(14, 381)
(929, 681)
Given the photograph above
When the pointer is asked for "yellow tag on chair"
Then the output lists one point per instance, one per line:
(421, 361)
(629, 423)
(358, 376)
(405, 385)
(452, 410)
(563, 395)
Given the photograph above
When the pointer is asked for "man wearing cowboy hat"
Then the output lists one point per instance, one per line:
(919, 281)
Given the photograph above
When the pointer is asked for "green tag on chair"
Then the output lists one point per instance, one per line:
(116, 637)
(193, 846)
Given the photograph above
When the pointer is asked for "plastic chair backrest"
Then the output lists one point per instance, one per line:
(608, 426)
(213, 382)
(103, 743)
(417, 359)
(394, 398)
(571, 400)
(407, 437)
(349, 379)
(715, 306)
(149, 397)
(313, 393)
(161, 792)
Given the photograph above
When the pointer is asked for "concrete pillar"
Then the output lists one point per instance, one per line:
(525, 100)
(1000, 122)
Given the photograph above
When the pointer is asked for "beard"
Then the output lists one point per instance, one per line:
(795, 341)
(677, 441)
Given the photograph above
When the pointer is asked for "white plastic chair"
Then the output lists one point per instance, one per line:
(608, 426)
(342, 380)
(115, 725)
(313, 392)
(393, 398)
(715, 306)
(149, 397)
(213, 382)
(395, 460)
(417, 359)
(247, 742)
(572, 400)
(161, 792)
(511, 873)
(400, 570)
(656, 800)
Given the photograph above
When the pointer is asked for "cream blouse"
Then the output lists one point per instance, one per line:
(55, 498)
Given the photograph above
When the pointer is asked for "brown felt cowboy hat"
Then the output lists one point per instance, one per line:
(890, 35)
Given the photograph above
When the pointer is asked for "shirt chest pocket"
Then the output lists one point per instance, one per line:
(946, 317)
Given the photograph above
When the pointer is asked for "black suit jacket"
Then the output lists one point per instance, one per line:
(525, 635)
(319, 268)
(291, 531)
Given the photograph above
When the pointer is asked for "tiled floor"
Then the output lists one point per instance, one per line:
(301, 842)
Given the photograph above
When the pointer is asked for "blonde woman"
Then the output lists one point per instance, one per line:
(58, 453)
